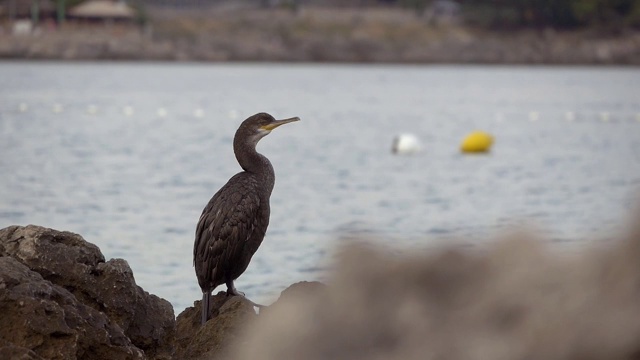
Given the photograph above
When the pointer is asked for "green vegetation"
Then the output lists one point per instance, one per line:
(563, 14)
(68, 4)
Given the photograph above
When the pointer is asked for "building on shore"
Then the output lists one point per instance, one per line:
(95, 11)
(23, 17)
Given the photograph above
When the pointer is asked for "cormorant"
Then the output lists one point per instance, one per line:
(234, 222)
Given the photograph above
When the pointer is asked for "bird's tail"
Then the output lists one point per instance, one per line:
(206, 296)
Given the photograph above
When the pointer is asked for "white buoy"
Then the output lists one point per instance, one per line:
(404, 144)
(198, 113)
(162, 112)
(23, 107)
(127, 110)
(534, 116)
(570, 116)
(92, 109)
(57, 108)
(233, 114)
(604, 116)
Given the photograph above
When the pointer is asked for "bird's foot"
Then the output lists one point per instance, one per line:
(235, 292)
(232, 291)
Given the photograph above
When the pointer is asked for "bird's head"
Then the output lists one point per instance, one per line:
(259, 125)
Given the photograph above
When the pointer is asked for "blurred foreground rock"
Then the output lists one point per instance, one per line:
(60, 299)
(513, 300)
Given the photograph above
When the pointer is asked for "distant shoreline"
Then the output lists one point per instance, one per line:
(319, 37)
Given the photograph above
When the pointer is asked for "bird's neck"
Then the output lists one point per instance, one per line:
(253, 162)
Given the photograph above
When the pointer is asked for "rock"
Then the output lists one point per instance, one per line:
(293, 294)
(65, 301)
(512, 300)
(9, 351)
(45, 319)
(300, 288)
(229, 316)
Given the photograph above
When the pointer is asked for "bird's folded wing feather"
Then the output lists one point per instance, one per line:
(226, 224)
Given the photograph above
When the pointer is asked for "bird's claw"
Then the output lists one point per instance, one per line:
(234, 292)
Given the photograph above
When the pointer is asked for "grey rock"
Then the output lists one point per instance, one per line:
(515, 299)
(63, 283)
(42, 320)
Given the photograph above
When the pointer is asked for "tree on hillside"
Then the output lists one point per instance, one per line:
(552, 13)
(604, 12)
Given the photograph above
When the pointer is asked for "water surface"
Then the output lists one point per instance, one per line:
(120, 154)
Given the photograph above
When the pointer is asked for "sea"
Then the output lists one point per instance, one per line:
(128, 154)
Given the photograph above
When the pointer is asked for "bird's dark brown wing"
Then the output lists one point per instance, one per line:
(227, 231)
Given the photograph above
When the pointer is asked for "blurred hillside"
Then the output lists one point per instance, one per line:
(495, 14)
(398, 31)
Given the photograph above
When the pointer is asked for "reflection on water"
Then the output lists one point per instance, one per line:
(127, 155)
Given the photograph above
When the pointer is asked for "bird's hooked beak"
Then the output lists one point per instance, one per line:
(277, 123)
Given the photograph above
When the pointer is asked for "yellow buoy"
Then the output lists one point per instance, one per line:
(477, 141)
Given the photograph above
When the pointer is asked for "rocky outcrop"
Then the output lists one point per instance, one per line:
(60, 299)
